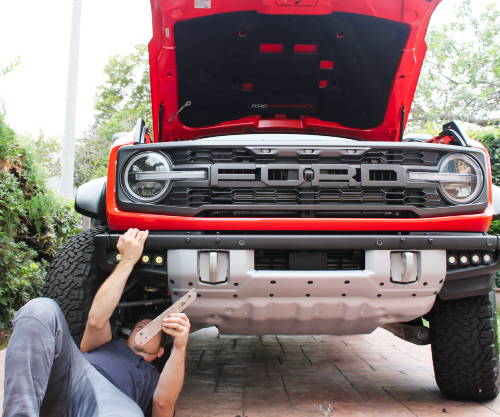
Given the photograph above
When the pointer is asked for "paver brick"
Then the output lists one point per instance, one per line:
(312, 376)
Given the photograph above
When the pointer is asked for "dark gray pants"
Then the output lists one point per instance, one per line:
(46, 375)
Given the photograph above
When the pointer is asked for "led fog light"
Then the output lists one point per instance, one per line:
(464, 260)
(475, 259)
(159, 260)
(487, 259)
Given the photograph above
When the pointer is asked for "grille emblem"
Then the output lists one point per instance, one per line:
(308, 175)
(313, 175)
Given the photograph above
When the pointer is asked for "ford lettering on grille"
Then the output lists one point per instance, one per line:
(306, 175)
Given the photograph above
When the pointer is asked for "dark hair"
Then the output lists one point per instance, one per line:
(148, 316)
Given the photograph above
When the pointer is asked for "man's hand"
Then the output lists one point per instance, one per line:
(177, 325)
(98, 329)
(171, 378)
(131, 244)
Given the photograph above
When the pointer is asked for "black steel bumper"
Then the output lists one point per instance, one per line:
(459, 283)
(197, 240)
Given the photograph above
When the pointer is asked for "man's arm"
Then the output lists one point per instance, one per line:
(98, 329)
(172, 376)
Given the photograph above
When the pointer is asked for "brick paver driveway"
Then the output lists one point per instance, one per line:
(309, 376)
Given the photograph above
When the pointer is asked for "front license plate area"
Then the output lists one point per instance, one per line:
(308, 260)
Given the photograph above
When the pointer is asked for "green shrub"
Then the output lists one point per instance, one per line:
(491, 140)
(495, 230)
(33, 224)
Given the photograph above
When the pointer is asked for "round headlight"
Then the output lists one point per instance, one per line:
(139, 178)
(464, 178)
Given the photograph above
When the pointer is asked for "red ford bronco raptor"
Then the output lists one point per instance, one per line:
(279, 184)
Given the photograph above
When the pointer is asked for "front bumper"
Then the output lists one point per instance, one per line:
(251, 300)
(214, 240)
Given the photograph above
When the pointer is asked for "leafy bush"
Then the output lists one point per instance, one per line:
(491, 140)
(33, 224)
(495, 230)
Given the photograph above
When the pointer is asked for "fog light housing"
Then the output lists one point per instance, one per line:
(159, 260)
(475, 259)
(452, 260)
(487, 259)
(464, 259)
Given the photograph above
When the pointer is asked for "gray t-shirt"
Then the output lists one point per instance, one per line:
(127, 371)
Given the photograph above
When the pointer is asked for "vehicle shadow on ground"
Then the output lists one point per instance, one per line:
(324, 376)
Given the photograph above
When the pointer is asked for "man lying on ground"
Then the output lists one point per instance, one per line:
(47, 375)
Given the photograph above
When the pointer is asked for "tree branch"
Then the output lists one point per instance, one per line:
(450, 116)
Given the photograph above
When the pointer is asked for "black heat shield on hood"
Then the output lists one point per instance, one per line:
(227, 77)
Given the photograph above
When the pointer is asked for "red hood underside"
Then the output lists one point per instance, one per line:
(344, 68)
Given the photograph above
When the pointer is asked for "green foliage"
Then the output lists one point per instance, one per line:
(33, 224)
(495, 230)
(46, 152)
(121, 100)
(491, 140)
(460, 77)
(495, 227)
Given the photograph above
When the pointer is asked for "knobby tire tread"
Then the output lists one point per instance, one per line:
(72, 279)
(465, 347)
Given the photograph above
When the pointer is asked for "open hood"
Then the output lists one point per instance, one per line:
(344, 68)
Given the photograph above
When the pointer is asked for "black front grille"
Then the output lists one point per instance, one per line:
(332, 260)
(253, 177)
(211, 156)
(397, 156)
(241, 155)
(197, 197)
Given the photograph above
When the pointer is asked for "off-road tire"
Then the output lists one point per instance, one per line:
(465, 348)
(73, 279)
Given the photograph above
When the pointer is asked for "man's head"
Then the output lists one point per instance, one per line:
(152, 349)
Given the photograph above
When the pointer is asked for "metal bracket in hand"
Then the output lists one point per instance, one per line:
(154, 327)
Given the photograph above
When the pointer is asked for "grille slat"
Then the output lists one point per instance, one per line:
(196, 197)
(336, 260)
(242, 155)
